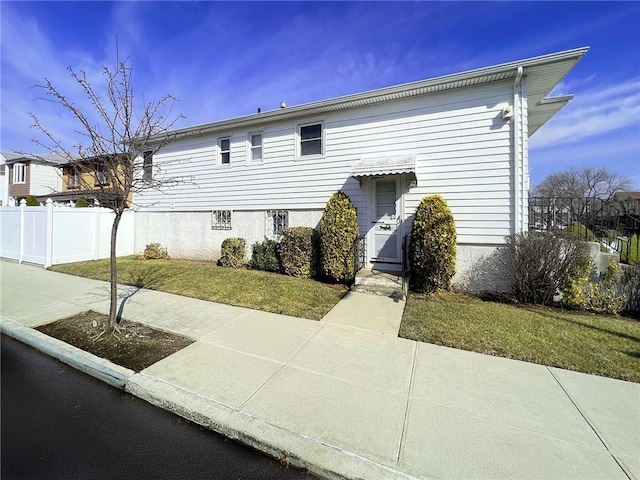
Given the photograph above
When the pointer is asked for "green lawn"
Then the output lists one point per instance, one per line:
(597, 344)
(246, 288)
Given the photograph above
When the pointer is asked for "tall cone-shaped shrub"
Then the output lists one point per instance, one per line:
(338, 234)
(432, 247)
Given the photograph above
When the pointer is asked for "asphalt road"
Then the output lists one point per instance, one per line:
(59, 423)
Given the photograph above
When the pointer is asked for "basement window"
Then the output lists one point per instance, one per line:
(277, 220)
(221, 220)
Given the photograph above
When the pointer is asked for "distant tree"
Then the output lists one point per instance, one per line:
(585, 182)
(120, 138)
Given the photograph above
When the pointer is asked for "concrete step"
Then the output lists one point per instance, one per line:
(395, 293)
(378, 278)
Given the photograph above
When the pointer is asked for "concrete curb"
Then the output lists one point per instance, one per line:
(294, 448)
(93, 365)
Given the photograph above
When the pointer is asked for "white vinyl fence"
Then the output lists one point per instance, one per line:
(51, 235)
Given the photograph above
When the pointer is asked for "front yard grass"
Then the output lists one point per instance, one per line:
(589, 343)
(204, 280)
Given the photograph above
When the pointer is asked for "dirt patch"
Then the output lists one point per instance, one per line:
(136, 346)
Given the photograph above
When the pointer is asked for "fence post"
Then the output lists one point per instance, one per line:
(48, 256)
(23, 204)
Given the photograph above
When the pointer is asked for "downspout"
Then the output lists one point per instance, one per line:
(517, 158)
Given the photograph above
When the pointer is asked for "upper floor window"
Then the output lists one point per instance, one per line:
(255, 147)
(225, 151)
(311, 139)
(102, 174)
(19, 173)
(147, 166)
(74, 177)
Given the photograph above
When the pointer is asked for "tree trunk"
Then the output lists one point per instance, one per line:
(113, 305)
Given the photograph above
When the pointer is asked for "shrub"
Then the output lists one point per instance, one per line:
(299, 250)
(81, 203)
(541, 264)
(631, 282)
(608, 295)
(432, 247)
(266, 256)
(32, 201)
(338, 234)
(155, 251)
(233, 252)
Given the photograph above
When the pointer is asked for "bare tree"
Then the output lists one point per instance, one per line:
(586, 182)
(114, 159)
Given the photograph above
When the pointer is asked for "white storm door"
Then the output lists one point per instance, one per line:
(386, 221)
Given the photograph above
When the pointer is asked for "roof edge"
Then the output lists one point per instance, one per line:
(370, 96)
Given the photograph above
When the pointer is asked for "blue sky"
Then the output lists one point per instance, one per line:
(226, 59)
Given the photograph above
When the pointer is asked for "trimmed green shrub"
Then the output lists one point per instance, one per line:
(543, 263)
(32, 201)
(233, 252)
(338, 234)
(432, 246)
(299, 250)
(81, 203)
(266, 256)
(608, 295)
(155, 251)
(631, 282)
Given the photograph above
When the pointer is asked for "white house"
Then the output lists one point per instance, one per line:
(23, 175)
(463, 136)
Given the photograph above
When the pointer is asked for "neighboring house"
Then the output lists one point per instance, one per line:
(463, 136)
(90, 179)
(25, 175)
(4, 182)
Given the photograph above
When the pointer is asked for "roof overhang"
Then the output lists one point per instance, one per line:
(543, 73)
(375, 167)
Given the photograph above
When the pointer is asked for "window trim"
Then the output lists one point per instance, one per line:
(105, 173)
(220, 152)
(309, 123)
(147, 166)
(218, 222)
(250, 147)
(76, 183)
(19, 179)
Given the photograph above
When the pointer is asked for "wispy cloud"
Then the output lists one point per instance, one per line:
(593, 112)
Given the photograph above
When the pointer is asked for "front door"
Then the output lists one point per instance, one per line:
(386, 241)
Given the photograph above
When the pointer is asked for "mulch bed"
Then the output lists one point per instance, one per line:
(135, 346)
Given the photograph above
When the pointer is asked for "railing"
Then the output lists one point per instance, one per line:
(405, 261)
(614, 224)
(360, 247)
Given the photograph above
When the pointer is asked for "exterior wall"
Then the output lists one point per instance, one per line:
(479, 268)
(4, 184)
(19, 189)
(463, 147)
(44, 179)
(189, 234)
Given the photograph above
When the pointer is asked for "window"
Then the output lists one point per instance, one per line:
(255, 147)
(147, 166)
(19, 173)
(311, 139)
(277, 220)
(225, 151)
(221, 220)
(102, 175)
(2, 170)
(74, 177)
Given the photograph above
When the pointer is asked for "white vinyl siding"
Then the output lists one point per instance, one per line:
(44, 179)
(462, 146)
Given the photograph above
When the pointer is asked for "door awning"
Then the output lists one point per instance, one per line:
(371, 167)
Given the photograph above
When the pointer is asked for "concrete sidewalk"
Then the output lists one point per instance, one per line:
(345, 401)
